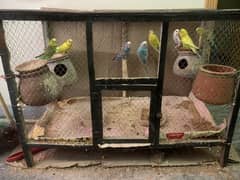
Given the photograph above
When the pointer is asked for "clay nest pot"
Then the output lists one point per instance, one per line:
(38, 85)
(214, 84)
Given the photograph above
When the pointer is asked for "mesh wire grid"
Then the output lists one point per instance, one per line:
(126, 116)
(110, 37)
(219, 45)
(26, 39)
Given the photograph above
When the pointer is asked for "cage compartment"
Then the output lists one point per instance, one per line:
(122, 117)
(70, 120)
(66, 121)
(187, 118)
(109, 38)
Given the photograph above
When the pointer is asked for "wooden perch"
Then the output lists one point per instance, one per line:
(124, 61)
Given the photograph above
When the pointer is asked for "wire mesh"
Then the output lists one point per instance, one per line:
(109, 39)
(59, 117)
(24, 39)
(219, 44)
(126, 115)
(175, 84)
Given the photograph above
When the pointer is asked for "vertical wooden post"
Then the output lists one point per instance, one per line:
(124, 61)
(211, 4)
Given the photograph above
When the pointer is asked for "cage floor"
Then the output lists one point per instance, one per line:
(124, 117)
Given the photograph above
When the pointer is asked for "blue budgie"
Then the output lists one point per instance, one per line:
(142, 52)
(124, 52)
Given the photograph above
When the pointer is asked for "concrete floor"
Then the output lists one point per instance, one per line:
(213, 172)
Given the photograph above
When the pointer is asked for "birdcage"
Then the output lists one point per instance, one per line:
(117, 94)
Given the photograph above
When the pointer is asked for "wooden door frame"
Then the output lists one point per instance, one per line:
(211, 4)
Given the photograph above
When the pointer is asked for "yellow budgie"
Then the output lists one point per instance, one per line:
(187, 42)
(64, 47)
(153, 40)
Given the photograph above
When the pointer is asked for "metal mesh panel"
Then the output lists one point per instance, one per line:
(225, 43)
(24, 39)
(75, 31)
(70, 117)
(126, 116)
(110, 37)
(174, 84)
(219, 44)
(122, 111)
(224, 46)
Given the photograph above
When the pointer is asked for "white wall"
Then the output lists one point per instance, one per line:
(102, 4)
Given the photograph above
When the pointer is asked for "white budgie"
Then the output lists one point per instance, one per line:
(176, 38)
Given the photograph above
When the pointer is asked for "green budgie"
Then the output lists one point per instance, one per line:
(49, 51)
(206, 34)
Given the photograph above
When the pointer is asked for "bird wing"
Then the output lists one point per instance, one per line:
(155, 41)
(188, 43)
(142, 54)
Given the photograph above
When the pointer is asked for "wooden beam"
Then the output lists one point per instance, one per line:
(211, 4)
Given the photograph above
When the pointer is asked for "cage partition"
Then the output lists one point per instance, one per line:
(109, 101)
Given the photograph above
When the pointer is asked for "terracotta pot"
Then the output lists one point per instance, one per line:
(214, 84)
(63, 68)
(37, 86)
(186, 64)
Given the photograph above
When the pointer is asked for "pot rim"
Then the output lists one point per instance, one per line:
(60, 57)
(22, 68)
(185, 52)
(230, 73)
